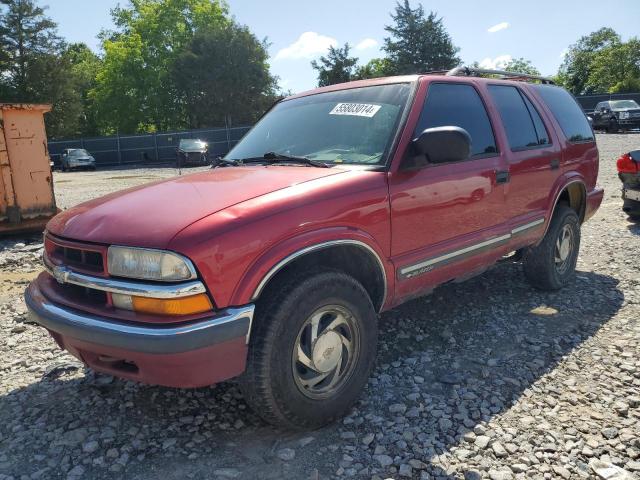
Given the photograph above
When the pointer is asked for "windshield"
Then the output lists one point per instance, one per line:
(620, 104)
(78, 152)
(192, 144)
(352, 126)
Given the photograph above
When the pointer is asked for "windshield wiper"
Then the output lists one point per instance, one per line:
(272, 157)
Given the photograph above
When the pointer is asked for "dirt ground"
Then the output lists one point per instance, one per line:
(484, 379)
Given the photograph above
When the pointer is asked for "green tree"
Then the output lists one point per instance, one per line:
(336, 67)
(521, 65)
(374, 68)
(616, 68)
(213, 84)
(26, 35)
(135, 89)
(33, 68)
(578, 61)
(417, 44)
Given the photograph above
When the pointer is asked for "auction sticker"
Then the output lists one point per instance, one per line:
(355, 109)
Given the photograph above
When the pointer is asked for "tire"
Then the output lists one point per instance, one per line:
(547, 266)
(613, 127)
(274, 381)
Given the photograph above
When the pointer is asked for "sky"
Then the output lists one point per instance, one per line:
(490, 31)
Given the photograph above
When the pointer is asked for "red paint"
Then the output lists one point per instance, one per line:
(197, 368)
(236, 223)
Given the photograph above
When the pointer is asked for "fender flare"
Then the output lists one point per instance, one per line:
(274, 259)
(562, 184)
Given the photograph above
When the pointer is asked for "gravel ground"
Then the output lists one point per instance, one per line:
(485, 379)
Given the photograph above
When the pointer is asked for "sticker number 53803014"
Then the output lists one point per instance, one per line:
(356, 109)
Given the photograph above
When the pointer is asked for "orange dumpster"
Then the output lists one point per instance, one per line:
(26, 186)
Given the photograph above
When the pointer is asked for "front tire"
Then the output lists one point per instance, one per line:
(312, 348)
(551, 264)
(613, 126)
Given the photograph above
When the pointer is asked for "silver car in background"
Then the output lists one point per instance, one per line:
(76, 158)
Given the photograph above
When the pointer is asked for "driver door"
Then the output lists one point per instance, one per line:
(448, 219)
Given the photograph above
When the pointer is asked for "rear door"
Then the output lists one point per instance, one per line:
(534, 157)
(448, 218)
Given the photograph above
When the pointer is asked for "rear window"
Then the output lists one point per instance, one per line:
(521, 121)
(568, 113)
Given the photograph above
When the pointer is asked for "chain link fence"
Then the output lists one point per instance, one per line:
(153, 148)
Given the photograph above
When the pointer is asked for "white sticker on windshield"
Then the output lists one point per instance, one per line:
(356, 109)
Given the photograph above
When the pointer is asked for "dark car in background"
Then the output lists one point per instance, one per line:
(192, 151)
(629, 174)
(76, 158)
(616, 115)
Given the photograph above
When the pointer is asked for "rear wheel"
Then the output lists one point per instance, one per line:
(312, 349)
(551, 264)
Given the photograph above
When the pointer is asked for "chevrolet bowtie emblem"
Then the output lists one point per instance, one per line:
(60, 273)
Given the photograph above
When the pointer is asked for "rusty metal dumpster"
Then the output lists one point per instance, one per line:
(26, 185)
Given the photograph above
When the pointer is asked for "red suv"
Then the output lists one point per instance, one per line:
(340, 203)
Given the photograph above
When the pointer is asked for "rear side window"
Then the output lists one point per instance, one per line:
(568, 113)
(451, 104)
(519, 118)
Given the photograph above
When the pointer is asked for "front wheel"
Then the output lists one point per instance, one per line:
(613, 126)
(312, 349)
(551, 265)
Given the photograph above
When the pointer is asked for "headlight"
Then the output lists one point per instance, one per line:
(624, 115)
(148, 264)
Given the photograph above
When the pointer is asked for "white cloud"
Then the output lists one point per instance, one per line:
(497, 63)
(498, 27)
(308, 45)
(366, 43)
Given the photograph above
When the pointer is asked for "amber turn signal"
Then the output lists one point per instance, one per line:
(175, 306)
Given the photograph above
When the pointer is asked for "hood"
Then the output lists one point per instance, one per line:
(151, 215)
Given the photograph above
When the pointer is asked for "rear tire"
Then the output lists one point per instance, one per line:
(551, 264)
(300, 380)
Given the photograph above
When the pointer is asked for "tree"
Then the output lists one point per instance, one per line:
(374, 68)
(33, 68)
(616, 68)
(213, 84)
(135, 89)
(417, 44)
(578, 61)
(521, 65)
(26, 37)
(336, 67)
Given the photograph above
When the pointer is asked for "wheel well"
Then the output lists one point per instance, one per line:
(574, 196)
(353, 260)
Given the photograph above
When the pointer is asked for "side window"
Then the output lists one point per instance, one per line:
(541, 131)
(454, 104)
(517, 121)
(565, 109)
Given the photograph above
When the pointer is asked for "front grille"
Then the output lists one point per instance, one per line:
(83, 258)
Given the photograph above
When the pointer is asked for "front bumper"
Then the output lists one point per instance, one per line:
(194, 354)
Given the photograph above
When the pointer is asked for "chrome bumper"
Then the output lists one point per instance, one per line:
(158, 339)
(125, 287)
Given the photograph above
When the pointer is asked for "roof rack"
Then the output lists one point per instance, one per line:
(476, 72)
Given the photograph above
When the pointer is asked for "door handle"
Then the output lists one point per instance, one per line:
(555, 164)
(502, 176)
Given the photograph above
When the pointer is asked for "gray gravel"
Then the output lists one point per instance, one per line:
(485, 379)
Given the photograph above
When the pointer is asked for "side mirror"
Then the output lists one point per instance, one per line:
(443, 144)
